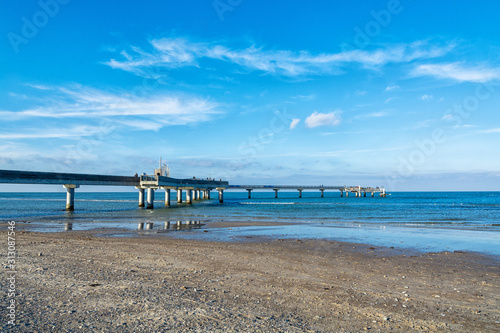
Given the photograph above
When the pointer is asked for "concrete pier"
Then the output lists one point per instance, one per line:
(189, 199)
(358, 191)
(167, 225)
(151, 198)
(167, 197)
(221, 195)
(179, 195)
(141, 196)
(70, 196)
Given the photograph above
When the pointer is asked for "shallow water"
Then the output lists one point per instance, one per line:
(428, 221)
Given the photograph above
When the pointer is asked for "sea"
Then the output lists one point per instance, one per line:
(420, 221)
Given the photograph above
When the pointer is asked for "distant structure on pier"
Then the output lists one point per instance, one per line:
(163, 170)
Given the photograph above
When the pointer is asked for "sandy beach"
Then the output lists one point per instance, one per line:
(76, 282)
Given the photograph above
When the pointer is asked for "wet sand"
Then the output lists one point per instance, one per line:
(75, 281)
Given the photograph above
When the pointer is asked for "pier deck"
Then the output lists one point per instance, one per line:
(196, 189)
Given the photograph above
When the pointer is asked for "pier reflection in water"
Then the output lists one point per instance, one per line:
(142, 226)
(187, 225)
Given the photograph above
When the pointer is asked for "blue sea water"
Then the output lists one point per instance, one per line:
(426, 221)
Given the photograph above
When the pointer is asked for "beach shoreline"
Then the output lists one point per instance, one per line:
(76, 281)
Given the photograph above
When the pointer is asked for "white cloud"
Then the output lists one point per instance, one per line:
(390, 99)
(490, 131)
(174, 53)
(317, 119)
(145, 112)
(294, 123)
(51, 133)
(458, 72)
(427, 97)
(304, 98)
(389, 88)
(376, 114)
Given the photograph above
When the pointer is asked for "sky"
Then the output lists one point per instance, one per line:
(402, 94)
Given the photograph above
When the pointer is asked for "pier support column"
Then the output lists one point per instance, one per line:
(341, 194)
(300, 193)
(179, 195)
(276, 193)
(322, 193)
(189, 201)
(151, 198)
(70, 196)
(167, 197)
(198, 197)
(208, 194)
(249, 193)
(373, 194)
(221, 196)
(347, 194)
(141, 197)
(364, 194)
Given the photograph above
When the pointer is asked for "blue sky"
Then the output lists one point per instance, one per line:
(402, 94)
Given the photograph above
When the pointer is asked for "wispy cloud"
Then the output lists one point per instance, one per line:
(390, 99)
(427, 97)
(377, 114)
(490, 131)
(389, 88)
(174, 53)
(458, 72)
(317, 119)
(304, 98)
(52, 133)
(148, 112)
(294, 123)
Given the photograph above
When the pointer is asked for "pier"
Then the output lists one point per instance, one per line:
(358, 191)
(195, 189)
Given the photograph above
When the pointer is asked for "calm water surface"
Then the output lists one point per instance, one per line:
(429, 221)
